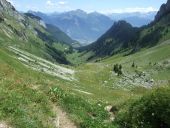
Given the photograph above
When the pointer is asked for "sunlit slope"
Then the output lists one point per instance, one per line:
(25, 91)
(31, 34)
(152, 68)
(123, 37)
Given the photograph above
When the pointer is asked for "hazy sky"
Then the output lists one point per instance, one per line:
(104, 6)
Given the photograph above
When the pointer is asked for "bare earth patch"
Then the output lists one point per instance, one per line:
(62, 120)
(4, 125)
(88, 93)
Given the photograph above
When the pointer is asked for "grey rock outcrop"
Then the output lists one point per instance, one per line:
(5, 5)
(6, 8)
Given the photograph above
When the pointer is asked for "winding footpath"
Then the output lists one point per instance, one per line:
(62, 120)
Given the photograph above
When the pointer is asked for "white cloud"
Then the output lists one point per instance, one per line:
(57, 4)
(62, 2)
(61, 5)
(49, 3)
(130, 10)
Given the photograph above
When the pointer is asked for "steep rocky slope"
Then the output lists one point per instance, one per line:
(31, 33)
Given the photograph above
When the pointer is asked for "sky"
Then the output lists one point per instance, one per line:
(102, 6)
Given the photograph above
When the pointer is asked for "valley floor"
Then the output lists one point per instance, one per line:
(31, 88)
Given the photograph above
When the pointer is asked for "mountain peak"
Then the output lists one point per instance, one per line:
(122, 22)
(120, 25)
(78, 12)
(116, 38)
(31, 15)
(5, 5)
(96, 14)
(164, 10)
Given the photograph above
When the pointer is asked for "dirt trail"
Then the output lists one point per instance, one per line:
(4, 125)
(62, 120)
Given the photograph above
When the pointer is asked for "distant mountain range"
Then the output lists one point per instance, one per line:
(88, 27)
(79, 25)
(123, 36)
(136, 19)
(48, 39)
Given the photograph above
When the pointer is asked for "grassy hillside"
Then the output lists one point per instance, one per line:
(156, 32)
(30, 33)
(61, 36)
(22, 103)
(123, 37)
(114, 40)
(121, 91)
(154, 62)
(25, 90)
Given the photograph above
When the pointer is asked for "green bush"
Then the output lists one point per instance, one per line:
(118, 69)
(151, 111)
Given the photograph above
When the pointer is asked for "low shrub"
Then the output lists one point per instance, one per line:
(151, 111)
